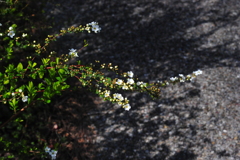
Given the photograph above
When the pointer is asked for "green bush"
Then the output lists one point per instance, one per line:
(28, 84)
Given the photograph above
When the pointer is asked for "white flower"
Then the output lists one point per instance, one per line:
(87, 29)
(1, 34)
(0, 24)
(53, 154)
(96, 28)
(11, 34)
(125, 87)
(93, 23)
(130, 81)
(127, 107)
(47, 149)
(118, 96)
(160, 82)
(198, 72)
(182, 78)
(25, 98)
(20, 90)
(119, 82)
(10, 28)
(24, 35)
(173, 78)
(130, 74)
(13, 94)
(107, 93)
(73, 52)
(139, 83)
(181, 75)
(54, 157)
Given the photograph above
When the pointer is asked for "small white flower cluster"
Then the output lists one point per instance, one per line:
(198, 72)
(52, 153)
(141, 84)
(95, 27)
(24, 98)
(182, 78)
(120, 100)
(73, 52)
(1, 33)
(130, 81)
(119, 82)
(127, 107)
(130, 74)
(117, 97)
(11, 32)
(24, 35)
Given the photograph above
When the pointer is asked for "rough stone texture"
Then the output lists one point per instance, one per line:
(157, 40)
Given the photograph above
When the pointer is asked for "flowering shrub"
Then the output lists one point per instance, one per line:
(39, 78)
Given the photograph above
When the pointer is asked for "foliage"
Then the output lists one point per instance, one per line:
(41, 75)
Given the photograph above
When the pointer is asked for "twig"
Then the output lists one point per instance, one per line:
(14, 116)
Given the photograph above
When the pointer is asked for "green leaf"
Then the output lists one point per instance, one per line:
(10, 156)
(9, 50)
(85, 43)
(18, 44)
(45, 61)
(61, 71)
(65, 87)
(52, 64)
(30, 86)
(56, 85)
(41, 72)
(47, 80)
(34, 64)
(57, 60)
(10, 68)
(14, 26)
(19, 67)
(13, 103)
(33, 75)
(52, 72)
(6, 81)
(30, 63)
(40, 86)
(59, 78)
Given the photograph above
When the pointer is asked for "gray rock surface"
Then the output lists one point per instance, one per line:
(157, 40)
